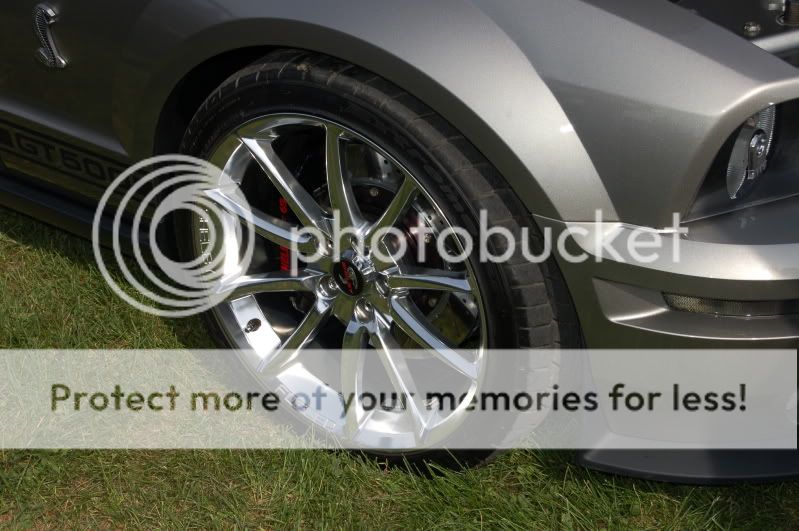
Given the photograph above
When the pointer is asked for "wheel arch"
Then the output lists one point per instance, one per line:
(192, 89)
(503, 107)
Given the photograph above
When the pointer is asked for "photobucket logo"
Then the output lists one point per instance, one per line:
(575, 243)
(159, 188)
(217, 214)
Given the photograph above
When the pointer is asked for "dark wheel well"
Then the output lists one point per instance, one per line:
(192, 90)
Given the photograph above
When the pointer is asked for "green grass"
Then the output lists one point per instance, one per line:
(53, 296)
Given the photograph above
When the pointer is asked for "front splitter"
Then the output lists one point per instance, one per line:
(697, 467)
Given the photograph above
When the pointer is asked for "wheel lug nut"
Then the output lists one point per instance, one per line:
(322, 245)
(374, 192)
(252, 326)
(363, 310)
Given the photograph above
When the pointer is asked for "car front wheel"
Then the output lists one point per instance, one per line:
(312, 141)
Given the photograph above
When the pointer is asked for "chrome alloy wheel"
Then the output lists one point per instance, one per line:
(304, 171)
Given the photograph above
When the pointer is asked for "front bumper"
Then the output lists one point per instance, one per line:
(716, 467)
(751, 255)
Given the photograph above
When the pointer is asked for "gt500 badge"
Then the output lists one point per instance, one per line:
(20, 148)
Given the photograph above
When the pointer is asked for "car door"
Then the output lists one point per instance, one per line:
(56, 117)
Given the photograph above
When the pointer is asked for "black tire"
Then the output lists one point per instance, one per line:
(528, 305)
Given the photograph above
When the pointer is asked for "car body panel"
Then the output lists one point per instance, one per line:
(74, 102)
(375, 36)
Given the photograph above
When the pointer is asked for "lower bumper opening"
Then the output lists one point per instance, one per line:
(732, 308)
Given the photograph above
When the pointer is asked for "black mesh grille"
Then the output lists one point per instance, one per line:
(730, 308)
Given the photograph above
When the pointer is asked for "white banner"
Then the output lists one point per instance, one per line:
(609, 399)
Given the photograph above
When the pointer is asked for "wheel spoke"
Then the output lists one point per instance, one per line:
(299, 200)
(355, 337)
(271, 228)
(396, 208)
(352, 359)
(430, 279)
(226, 158)
(416, 325)
(402, 380)
(304, 334)
(342, 198)
(282, 281)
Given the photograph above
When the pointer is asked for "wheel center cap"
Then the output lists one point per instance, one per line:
(348, 277)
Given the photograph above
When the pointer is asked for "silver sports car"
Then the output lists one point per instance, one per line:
(536, 116)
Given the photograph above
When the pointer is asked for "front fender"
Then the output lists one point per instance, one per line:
(449, 53)
(652, 89)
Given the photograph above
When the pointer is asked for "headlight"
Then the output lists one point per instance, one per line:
(750, 152)
(757, 165)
